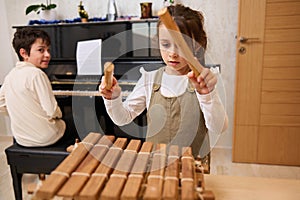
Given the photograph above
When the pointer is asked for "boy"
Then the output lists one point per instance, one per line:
(26, 94)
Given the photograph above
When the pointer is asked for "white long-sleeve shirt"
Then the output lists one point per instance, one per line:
(27, 96)
(123, 113)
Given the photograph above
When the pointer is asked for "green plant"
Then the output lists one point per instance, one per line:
(170, 1)
(38, 7)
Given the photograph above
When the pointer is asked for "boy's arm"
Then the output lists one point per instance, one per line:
(46, 97)
(2, 100)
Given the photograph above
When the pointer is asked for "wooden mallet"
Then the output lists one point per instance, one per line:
(108, 74)
(174, 31)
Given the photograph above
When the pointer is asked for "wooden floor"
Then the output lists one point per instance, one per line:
(221, 164)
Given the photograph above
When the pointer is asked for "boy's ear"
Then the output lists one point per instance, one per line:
(23, 53)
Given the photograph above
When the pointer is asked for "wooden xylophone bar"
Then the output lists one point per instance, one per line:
(61, 174)
(105, 167)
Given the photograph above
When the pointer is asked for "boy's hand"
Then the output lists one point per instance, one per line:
(112, 93)
(205, 82)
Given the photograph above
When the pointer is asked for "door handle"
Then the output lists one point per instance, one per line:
(242, 50)
(245, 39)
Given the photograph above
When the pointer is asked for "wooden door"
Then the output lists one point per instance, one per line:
(267, 101)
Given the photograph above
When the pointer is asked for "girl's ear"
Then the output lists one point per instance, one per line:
(24, 54)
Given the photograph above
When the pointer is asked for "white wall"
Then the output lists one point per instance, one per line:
(220, 21)
(6, 61)
(5, 40)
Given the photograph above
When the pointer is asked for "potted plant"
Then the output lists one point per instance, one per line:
(44, 10)
(169, 2)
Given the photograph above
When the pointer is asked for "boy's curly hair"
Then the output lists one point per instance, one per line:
(25, 37)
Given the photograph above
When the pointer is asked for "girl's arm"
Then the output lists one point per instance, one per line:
(216, 119)
(122, 113)
(214, 113)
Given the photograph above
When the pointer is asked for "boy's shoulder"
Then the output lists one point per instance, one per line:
(29, 67)
(27, 70)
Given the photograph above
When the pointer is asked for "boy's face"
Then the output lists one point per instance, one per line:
(170, 52)
(39, 54)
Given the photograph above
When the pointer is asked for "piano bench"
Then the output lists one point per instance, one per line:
(35, 160)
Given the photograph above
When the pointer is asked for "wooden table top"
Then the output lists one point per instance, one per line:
(252, 188)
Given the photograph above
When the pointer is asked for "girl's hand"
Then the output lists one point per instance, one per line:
(205, 82)
(113, 93)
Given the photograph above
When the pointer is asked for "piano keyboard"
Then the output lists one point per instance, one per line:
(83, 93)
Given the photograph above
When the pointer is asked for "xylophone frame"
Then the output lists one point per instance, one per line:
(105, 167)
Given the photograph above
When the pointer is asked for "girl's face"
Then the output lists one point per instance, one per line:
(170, 53)
(39, 54)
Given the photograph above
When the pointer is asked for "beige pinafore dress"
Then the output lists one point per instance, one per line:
(177, 120)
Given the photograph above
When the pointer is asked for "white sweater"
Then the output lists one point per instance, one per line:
(27, 96)
(123, 113)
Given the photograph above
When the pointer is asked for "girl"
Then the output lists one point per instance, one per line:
(181, 108)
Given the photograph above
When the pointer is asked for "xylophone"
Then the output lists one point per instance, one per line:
(105, 167)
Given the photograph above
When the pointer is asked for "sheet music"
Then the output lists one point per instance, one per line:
(88, 57)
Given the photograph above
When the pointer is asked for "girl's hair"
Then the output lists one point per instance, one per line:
(25, 37)
(191, 25)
